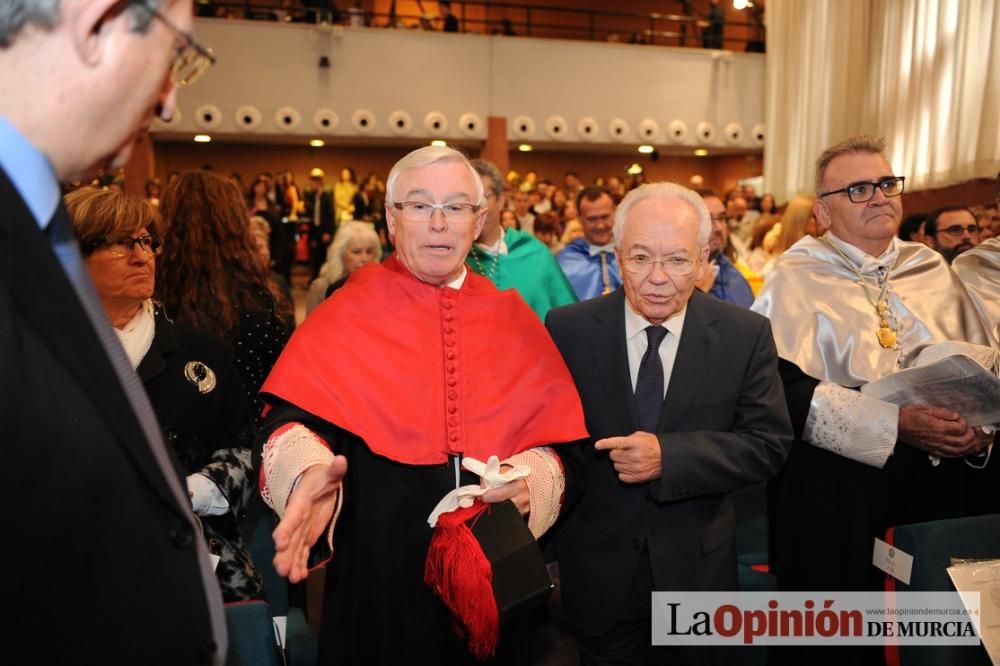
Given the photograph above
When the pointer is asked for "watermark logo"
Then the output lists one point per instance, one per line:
(815, 618)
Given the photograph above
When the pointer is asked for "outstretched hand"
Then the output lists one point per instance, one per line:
(307, 516)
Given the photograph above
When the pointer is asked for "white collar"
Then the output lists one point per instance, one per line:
(499, 248)
(136, 336)
(598, 249)
(866, 263)
(460, 280)
(635, 323)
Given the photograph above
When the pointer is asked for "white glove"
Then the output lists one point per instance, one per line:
(491, 476)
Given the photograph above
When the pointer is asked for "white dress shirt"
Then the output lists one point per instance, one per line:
(636, 342)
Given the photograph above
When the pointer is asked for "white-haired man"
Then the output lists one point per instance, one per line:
(684, 406)
(100, 530)
(849, 308)
(396, 374)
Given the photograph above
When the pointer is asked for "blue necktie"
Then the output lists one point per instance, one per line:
(649, 383)
(63, 242)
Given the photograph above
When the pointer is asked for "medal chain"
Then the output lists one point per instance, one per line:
(888, 330)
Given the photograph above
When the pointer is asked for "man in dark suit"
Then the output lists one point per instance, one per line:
(684, 406)
(101, 547)
(318, 199)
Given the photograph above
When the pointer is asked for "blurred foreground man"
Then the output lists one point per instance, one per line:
(103, 549)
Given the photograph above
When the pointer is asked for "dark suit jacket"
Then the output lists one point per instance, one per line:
(724, 427)
(210, 433)
(326, 224)
(98, 554)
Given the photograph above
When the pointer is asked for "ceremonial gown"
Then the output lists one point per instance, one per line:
(402, 378)
(529, 268)
(827, 508)
(584, 270)
(979, 270)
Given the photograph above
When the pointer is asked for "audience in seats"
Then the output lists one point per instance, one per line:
(261, 203)
(589, 262)
(210, 276)
(794, 224)
(849, 308)
(522, 211)
(344, 191)
(912, 228)
(190, 377)
(951, 230)
(319, 206)
(289, 196)
(721, 277)
(260, 231)
(355, 245)
(548, 230)
(761, 244)
(512, 259)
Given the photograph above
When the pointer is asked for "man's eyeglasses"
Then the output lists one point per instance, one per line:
(721, 218)
(421, 211)
(192, 59)
(957, 230)
(677, 266)
(123, 247)
(865, 191)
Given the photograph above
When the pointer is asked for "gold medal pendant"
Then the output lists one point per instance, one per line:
(886, 336)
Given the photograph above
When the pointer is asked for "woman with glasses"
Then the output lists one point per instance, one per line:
(190, 377)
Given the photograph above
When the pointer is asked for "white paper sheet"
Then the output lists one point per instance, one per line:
(955, 382)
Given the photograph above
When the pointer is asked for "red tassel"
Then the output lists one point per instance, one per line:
(458, 571)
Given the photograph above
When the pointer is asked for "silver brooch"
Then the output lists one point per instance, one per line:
(201, 376)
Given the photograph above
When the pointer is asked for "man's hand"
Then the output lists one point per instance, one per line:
(515, 491)
(636, 457)
(940, 432)
(307, 515)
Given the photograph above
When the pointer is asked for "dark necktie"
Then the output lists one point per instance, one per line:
(649, 383)
(60, 235)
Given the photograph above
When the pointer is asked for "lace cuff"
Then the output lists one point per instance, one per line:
(288, 453)
(851, 424)
(546, 485)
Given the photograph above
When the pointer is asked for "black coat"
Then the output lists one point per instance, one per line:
(99, 554)
(724, 427)
(209, 432)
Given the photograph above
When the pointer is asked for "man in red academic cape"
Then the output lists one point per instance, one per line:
(411, 367)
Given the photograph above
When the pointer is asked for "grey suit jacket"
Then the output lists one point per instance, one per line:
(724, 427)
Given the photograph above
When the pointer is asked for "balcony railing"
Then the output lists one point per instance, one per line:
(519, 19)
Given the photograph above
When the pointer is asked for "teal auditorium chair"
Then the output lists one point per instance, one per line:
(752, 558)
(300, 644)
(252, 638)
(933, 545)
(752, 538)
